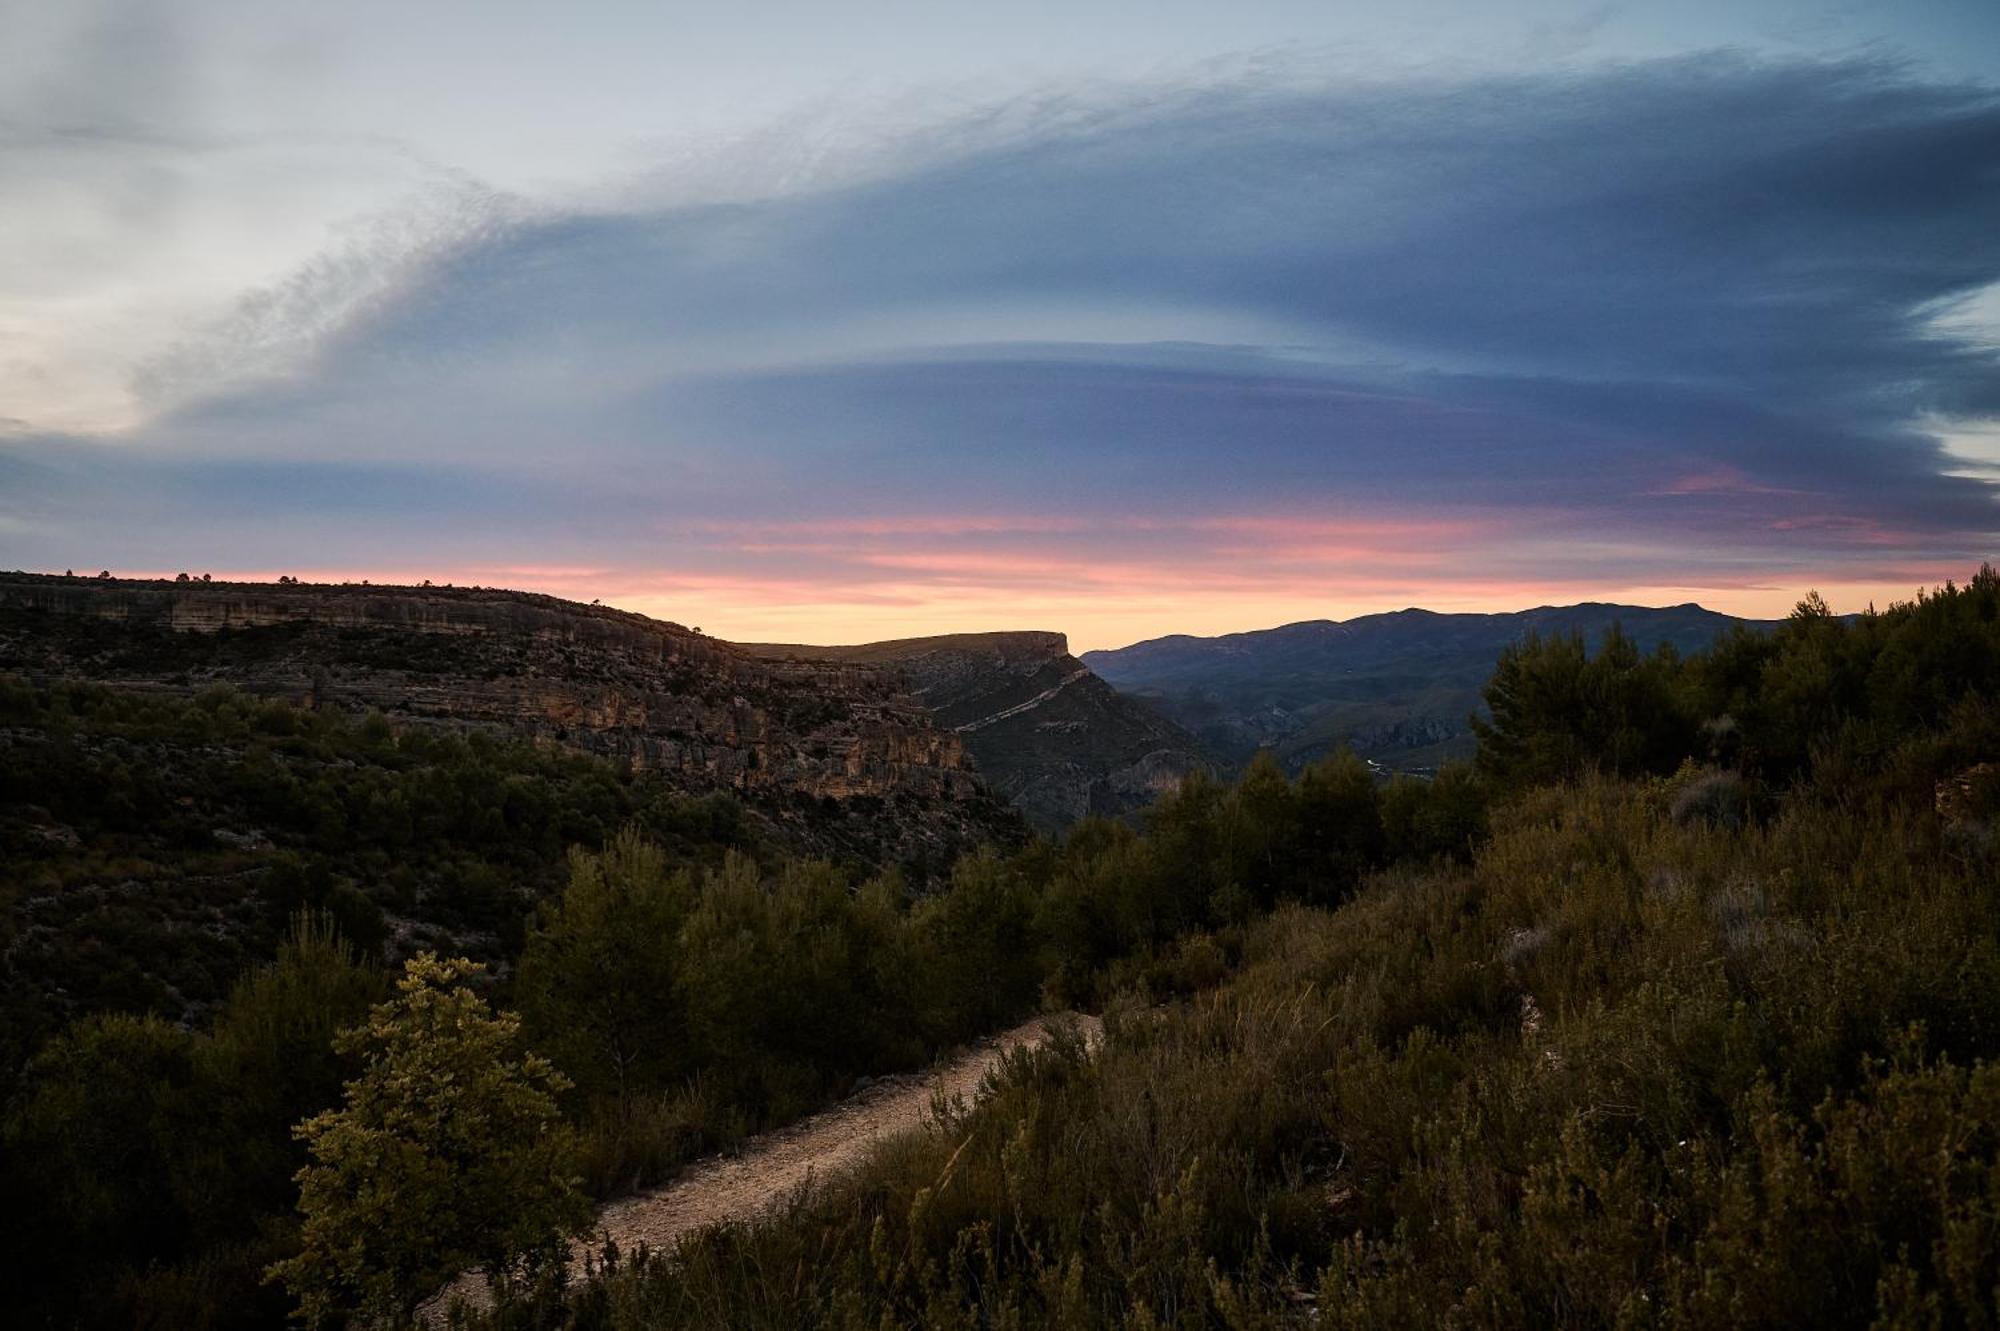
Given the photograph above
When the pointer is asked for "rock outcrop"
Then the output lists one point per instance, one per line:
(702, 713)
(1046, 732)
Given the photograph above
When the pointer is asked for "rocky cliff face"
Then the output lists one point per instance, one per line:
(702, 713)
(1047, 733)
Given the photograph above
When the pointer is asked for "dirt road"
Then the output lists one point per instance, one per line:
(769, 1169)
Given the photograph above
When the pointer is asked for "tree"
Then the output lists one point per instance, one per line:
(1341, 837)
(597, 978)
(1536, 699)
(273, 1048)
(100, 1132)
(973, 950)
(1558, 712)
(1260, 832)
(1422, 820)
(448, 1153)
(782, 981)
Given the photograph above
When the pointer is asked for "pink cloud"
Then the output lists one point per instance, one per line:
(1118, 579)
(1721, 479)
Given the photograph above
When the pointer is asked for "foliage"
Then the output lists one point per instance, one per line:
(151, 1159)
(689, 1008)
(1677, 1009)
(1710, 1047)
(1558, 712)
(153, 849)
(597, 980)
(1623, 1070)
(448, 1152)
(1821, 696)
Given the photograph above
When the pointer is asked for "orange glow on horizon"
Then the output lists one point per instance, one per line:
(1110, 611)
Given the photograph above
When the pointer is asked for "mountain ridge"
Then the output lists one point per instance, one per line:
(1397, 687)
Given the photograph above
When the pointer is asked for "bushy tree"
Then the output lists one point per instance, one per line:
(160, 1153)
(273, 1048)
(785, 982)
(102, 1137)
(597, 983)
(974, 952)
(1184, 835)
(1556, 712)
(1091, 902)
(447, 1153)
(1423, 820)
(1340, 828)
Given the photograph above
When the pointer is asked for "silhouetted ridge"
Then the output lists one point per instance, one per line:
(1397, 687)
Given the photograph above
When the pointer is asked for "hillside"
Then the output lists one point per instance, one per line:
(807, 744)
(1648, 1042)
(182, 765)
(1681, 997)
(1397, 688)
(1046, 732)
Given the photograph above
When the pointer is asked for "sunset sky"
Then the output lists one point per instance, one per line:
(816, 322)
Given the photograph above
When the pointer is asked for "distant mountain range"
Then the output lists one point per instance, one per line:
(1398, 688)
(1046, 733)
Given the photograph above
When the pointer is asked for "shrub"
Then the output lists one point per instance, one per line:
(447, 1153)
(1716, 798)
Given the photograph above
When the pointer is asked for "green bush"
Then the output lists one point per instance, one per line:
(447, 1153)
(1621, 1070)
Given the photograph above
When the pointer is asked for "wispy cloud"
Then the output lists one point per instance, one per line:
(1656, 324)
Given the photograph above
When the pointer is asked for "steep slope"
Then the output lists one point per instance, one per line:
(792, 738)
(1397, 688)
(1046, 732)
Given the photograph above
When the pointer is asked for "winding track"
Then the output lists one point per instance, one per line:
(1021, 707)
(770, 1169)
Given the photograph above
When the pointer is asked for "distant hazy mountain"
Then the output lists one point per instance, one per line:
(1046, 733)
(1398, 688)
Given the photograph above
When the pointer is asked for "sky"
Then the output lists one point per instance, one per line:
(802, 322)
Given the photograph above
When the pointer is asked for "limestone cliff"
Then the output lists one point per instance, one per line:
(1047, 733)
(702, 713)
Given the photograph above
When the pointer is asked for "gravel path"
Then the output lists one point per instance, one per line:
(771, 1168)
(768, 1170)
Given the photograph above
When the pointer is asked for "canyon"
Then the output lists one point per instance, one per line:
(798, 740)
(1048, 734)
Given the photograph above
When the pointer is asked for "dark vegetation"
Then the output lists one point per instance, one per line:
(1676, 1010)
(1701, 1036)
(153, 849)
(692, 985)
(1396, 688)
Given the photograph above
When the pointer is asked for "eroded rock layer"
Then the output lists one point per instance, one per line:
(1047, 733)
(664, 698)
